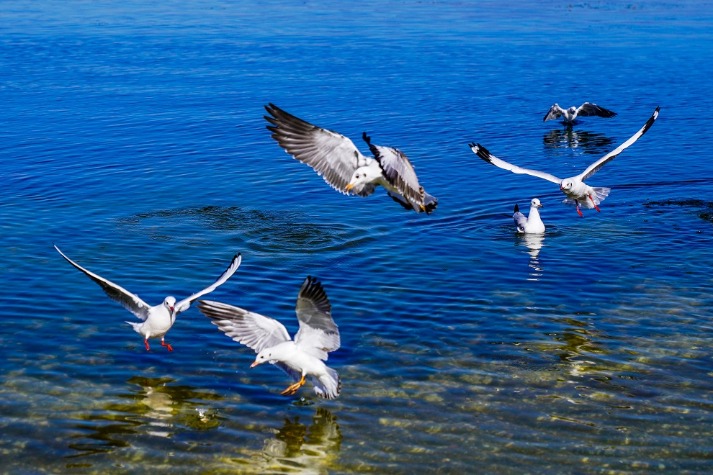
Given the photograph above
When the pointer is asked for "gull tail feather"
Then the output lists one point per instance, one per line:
(328, 386)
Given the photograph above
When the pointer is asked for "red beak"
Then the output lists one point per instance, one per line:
(255, 363)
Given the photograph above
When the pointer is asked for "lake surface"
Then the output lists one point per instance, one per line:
(133, 138)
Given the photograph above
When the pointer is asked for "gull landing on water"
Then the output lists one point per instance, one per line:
(157, 320)
(570, 115)
(318, 335)
(578, 193)
(531, 224)
(337, 160)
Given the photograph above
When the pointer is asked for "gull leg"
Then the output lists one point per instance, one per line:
(292, 388)
(167, 345)
(579, 211)
(594, 203)
(146, 344)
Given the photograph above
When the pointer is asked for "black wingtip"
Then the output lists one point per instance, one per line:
(481, 152)
(366, 138)
(517, 209)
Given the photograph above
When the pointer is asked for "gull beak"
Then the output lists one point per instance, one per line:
(540, 205)
(349, 187)
(255, 363)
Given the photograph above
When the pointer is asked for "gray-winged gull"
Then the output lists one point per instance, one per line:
(570, 115)
(300, 358)
(340, 163)
(531, 224)
(157, 320)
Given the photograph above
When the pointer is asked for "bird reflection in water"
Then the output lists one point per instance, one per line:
(533, 242)
(302, 448)
(588, 142)
(153, 406)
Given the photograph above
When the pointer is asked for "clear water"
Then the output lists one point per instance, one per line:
(132, 137)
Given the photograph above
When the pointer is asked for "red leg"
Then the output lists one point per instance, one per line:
(594, 203)
(579, 211)
(146, 344)
(167, 345)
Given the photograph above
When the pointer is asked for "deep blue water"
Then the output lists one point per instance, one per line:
(132, 136)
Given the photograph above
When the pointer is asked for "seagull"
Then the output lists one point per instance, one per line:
(336, 159)
(318, 335)
(532, 224)
(578, 193)
(157, 320)
(586, 109)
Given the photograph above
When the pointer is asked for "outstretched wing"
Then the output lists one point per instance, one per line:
(251, 329)
(484, 154)
(594, 167)
(184, 304)
(589, 109)
(129, 301)
(318, 334)
(333, 156)
(399, 171)
(554, 113)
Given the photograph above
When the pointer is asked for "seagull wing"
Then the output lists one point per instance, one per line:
(129, 301)
(398, 170)
(333, 156)
(589, 109)
(318, 334)
(554, 113)
(594, 167)
(484, 154)
(519, 219)
(184, 304)
(251, 329)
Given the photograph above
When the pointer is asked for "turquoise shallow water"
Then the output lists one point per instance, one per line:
(133, 138)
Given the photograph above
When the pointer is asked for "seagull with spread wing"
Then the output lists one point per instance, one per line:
(156, 320)
(340, 163)
(299, 358)
(570, 115)
(578, 193)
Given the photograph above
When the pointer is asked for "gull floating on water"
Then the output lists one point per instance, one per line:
(569, 115)
(578, 193)
(157, 320)
(337, 160)
(533, 223)
(318, 335)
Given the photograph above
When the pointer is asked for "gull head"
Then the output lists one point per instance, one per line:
(535, 203)
(170, 303)
(363, 176)
(262, 357)
(572, 110)
(566, 185)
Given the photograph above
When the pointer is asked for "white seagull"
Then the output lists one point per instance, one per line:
(578, 193)
(318, 335)
(157, 320)
(569, 115)
(533, 223)
(337, 160)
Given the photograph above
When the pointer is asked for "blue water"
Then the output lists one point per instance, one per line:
(132, 137)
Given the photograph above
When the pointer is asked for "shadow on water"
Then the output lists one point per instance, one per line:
(267, 231)
(589, 142)
(704, 209)
(153, 407)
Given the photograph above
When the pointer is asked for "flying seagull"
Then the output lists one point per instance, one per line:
(157, 320)
(569, 115)
(531, 224)
(337, 160)
(318, 335)
(578, 193)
